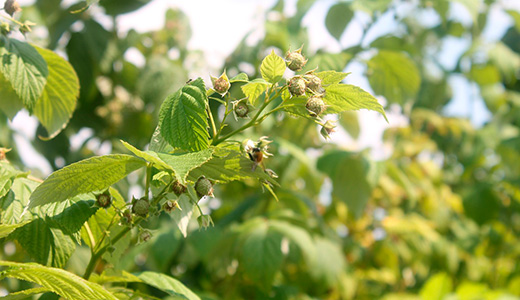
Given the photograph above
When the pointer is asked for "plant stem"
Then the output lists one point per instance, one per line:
(148, 180)
(212, 122)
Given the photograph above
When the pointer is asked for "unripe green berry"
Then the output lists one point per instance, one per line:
(145, 236)
(313, 83)
(315, 106)
(178, 188)
(295, 60)
(241, 109)
(297, 86)
(141, 207)
(204, 187)
(104, 200)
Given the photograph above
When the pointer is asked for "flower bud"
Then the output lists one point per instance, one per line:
(204, 187)
(11, 7)
(313, 83)
(178, 188)
(221, 85)
(141, 207)
(327, 129)
(315, 105)
(296, 86)
(295, 60)
(104, 200)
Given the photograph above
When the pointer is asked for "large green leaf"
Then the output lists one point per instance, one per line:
(329, 262)
(58, 100)
(345, 97)
(331, 77)
(436, 287)
(228, 164)
(6, 229)
(348, 173)
(337, 19)
(272, 68)
(24, 68)
(183, 215)
(158, 143)
(298, 236)
(167, 284)
(58, 281)
(393, 75)
(159, 78)
(261, 254)
(183, 120)
(25, 294)
(254, 89)
(89, 175)
(328, 61)
(7, 174)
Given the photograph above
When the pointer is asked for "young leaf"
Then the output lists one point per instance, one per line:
(254, 89)
(272, 68)
(61, 282)
(331, 77)
(393, 75)
(167, 284)
(149, 156)
(183, 120)
(58, 100)
(241, 77)
(24, 68)
(25, 294)
(89, 175)
(343, 97)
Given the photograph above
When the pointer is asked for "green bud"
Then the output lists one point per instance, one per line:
(315, 105)
(295, 60)
(204, 187)
(170, 206)
(178, 188)
(297, 86)
(140, 207)
(313, 83)
(104, 200)
(221, 85)
(327, 129)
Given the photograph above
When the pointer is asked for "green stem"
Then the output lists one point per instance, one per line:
(212, 122)
(148, 180)
(253, 120)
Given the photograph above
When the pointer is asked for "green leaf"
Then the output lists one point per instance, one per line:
(337, 19)
(25, 293)
(516, 17)
(436, 287)
(506, 60)
(241, 77)
(350, 122)
(329, 262)
(254, 89)
(183, 215)
(159, 78)
(7, 229)
(167, 284)
(183, 120)
(228, 164)
(11, 104)
(345, 97)
(182, 164)
(371, 6)
(149, 156)
(331, 77)
(58, 101)
(272, 68)
(24, 68)
(7, 174)
(298, 236)
(58, 281)
(89, 175)
(393, 75)
(348, 173)
(328, 61)
(261, 254)
(158, 143)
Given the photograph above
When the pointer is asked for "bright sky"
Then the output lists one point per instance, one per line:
(235, 18)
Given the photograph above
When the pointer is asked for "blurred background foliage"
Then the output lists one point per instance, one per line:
(436, 218)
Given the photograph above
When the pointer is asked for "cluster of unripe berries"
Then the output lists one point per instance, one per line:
(299, 85)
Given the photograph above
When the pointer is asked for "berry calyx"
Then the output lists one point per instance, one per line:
(170, 206)
(315, 105)
(104, 200)
(241, 109)
(204, 187)
(221, 85)
(297, 86)
(141, 207)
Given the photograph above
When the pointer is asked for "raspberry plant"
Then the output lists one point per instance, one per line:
(190, 154)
